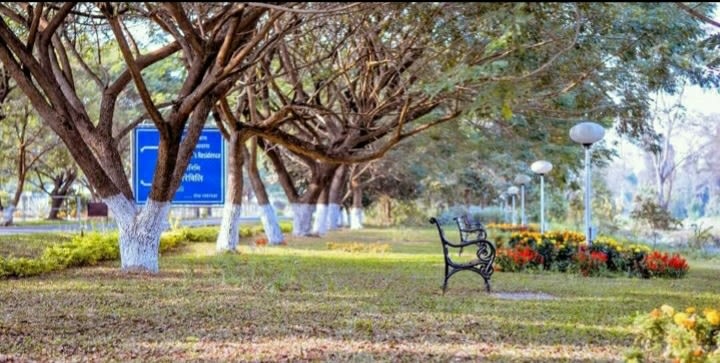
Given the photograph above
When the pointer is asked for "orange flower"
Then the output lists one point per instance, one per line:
(682, 319)
(656, 313)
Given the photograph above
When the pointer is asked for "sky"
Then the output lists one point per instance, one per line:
(697, 101)
(702, 101)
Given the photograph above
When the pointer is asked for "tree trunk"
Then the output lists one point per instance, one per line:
(7, 214)
(320, 226)
(229, 235)
(345, 218)
(335, 198)
(61, 188)
(302, 218)
(55, 204)
(386, 207)
(140, 231)
(466, 198)
(270, 223)
(21, 176)
(268, 217)
(356, 212)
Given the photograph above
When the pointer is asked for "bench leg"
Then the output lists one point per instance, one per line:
(487, 284)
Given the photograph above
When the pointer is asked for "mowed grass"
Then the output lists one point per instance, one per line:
(303, 302)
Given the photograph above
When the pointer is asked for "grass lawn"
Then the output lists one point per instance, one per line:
(303, 302)
(30, 245)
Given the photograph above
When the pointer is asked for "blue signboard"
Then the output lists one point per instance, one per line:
(204, 179)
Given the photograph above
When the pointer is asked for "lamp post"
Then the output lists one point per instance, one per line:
(522, 179)
(542, 167)
(503, 206)
(587, 133)
(512, 191)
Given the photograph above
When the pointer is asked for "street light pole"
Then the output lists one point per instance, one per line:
(542, 167)
(588, 193)
(522, 179)
(587, 133)
(513, 190)
(542, 204)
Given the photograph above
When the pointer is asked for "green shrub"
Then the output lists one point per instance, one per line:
(678, 336)
(21, 267)
(648, 211)
(92, 248)
(84, 250)
(566, 251)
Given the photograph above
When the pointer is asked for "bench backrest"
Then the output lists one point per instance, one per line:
(443, 240)
(464, 222)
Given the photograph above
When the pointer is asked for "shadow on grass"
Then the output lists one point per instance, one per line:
(292, 304)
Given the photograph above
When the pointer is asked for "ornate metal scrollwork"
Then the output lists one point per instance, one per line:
(483, 265)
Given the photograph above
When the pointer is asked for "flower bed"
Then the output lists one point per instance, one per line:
(567, 252)
(681, 336)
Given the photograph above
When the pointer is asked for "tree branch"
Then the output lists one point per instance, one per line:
(126, 130)
(135, 72)
(57, 20)
(697, 14)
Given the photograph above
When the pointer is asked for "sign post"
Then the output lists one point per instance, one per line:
(204, 179)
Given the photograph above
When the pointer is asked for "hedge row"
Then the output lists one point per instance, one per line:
(92, 248)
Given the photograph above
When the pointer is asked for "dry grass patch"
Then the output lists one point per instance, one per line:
(302, 302)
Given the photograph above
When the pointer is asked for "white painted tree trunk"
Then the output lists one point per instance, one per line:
(356, 218)
(269, 220)
(140, 230)
(334, 216)
(229, 234)
(8, 215)
(302, 219)
(345, 218)
(320, 225)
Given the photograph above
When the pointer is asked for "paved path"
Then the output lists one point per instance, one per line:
(107, 226)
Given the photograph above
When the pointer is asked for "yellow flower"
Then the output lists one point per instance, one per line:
(690, 310)
(712, 316)
(679, 318)
(682, 319)
(668, 310)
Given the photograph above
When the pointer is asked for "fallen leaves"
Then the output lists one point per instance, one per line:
(308, 304)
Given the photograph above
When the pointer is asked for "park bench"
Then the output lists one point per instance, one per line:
(470, 229)
(482, 265)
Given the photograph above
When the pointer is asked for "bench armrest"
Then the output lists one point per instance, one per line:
(468, 243)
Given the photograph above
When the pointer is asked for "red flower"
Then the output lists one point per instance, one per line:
(592, 262)
(520, 256)
(598, 257)
(660, 264)
(677, 263)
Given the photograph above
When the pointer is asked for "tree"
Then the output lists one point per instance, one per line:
(669, 123)
(215, 43)
(268, 217)
(27, 143)
(56, 174)
(362, 99)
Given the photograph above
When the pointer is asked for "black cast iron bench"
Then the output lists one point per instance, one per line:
(470, 229)
(482, 265)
